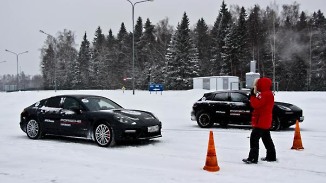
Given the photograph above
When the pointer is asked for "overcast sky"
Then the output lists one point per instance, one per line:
(21, 21)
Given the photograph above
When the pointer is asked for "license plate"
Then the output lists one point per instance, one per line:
(151, 129)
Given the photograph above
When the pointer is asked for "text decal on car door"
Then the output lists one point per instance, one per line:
(68, 122)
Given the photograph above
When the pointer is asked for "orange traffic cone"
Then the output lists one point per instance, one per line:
(297, 143)
(211, 160)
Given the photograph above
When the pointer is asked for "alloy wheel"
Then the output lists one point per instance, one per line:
(32, 129)
(103, 135)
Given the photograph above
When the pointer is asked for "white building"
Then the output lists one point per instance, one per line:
(216, 83)
(252, 75)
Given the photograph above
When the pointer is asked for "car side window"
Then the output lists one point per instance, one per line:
(70, 103)
(221, 97)
(53, 102)
(238, 97)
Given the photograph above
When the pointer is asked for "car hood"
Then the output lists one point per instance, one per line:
(134, 115)
(291, 106)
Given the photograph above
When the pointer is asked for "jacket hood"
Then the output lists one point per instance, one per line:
(264, 84)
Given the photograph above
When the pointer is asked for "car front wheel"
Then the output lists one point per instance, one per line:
(204, 120)
(33, 129)
(104, 135)
(276, 124)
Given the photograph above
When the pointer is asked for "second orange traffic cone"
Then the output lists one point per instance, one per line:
(211, 159)
(297, 142)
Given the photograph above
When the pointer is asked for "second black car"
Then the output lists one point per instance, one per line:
(233, 107)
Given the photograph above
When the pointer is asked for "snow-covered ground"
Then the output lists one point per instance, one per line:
(179, 156)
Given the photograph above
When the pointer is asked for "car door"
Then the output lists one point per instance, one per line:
(72, 117)
(239, 108)
(220, 106)
(49, 115)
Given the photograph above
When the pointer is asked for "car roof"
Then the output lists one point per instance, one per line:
(76, 95)
(229, 91)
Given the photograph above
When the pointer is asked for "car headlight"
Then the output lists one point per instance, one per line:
(125, 119)
(154, 116)
(284, 108)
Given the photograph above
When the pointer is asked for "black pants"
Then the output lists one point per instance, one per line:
(265, 135)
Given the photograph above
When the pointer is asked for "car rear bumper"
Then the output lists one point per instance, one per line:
(193, 116)
(23, 123)
(22, 126)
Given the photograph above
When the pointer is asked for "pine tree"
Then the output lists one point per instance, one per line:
(269, 28)
(163, 33)
(147, 56)
(123, 63)
(139, 60)
(98, 62)
(111, 57)
(228, 54)
(182, 58)
(242, 41)
(318, 52)
(203, 43)
(299, 70)
(82, 65)
(65, 57)
(219, 32)
(138, 29)
(302, 23)
(47, 69)
(253, 29)
(110, 40)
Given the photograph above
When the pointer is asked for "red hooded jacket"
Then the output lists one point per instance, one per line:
(262, 104)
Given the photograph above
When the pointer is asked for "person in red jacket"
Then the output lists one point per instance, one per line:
(262, 102)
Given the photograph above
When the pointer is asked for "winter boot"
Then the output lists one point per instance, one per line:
(268, 159)
(250, 161)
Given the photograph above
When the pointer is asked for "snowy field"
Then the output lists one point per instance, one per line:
(179, 156)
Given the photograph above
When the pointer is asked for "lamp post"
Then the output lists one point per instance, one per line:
(55, 63)
(17, 55)
(133, 41)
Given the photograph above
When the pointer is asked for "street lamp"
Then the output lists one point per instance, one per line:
(133, 41)
(55, 63)
(17, 55)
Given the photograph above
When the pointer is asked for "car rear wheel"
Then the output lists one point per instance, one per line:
(204, 120)
(276, 124)
(33, 129)
(104, 135)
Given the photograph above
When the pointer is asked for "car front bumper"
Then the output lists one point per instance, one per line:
(138, 133)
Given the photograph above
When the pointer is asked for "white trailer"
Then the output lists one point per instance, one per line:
(216, 83)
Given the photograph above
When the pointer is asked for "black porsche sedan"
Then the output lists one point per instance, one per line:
(233, 107)
(88, 116)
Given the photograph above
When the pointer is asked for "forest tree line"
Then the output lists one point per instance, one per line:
(8, 82)
(288, 45)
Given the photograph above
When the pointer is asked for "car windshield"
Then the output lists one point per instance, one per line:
(99, 103)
